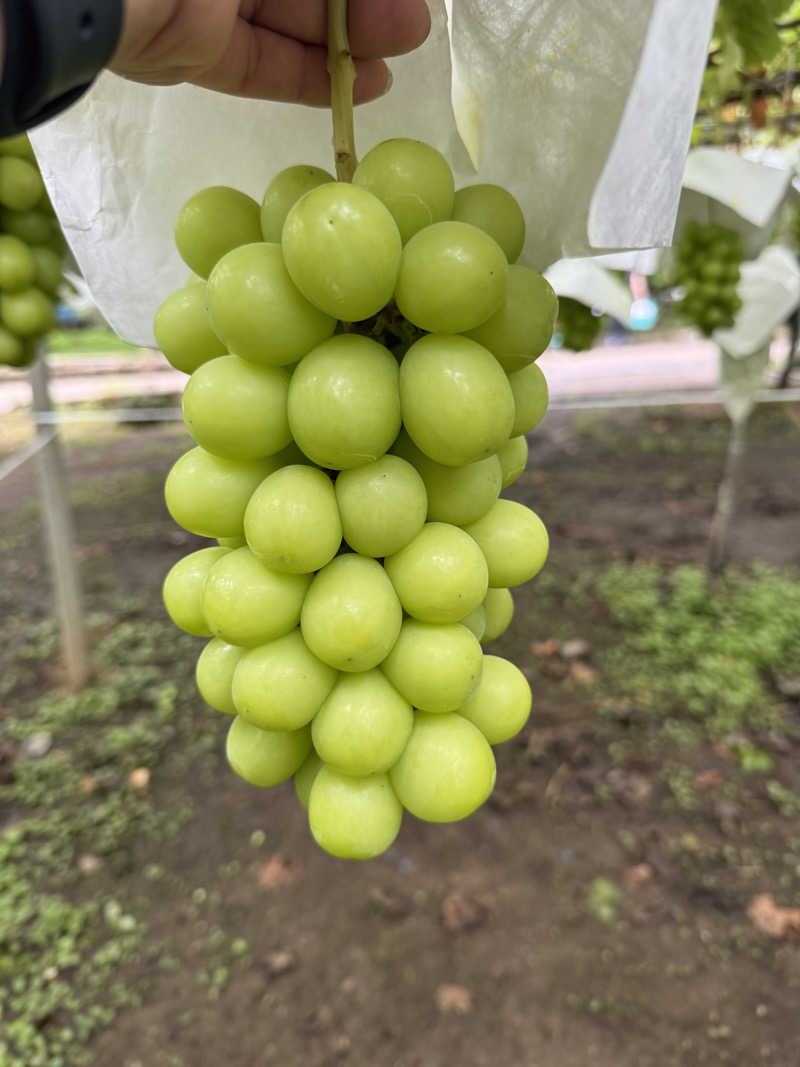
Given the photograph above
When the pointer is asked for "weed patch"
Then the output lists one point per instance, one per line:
(707, 646)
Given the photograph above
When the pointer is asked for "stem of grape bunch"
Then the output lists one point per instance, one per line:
(343, 73)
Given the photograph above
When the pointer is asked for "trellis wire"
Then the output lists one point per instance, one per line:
(632, 400)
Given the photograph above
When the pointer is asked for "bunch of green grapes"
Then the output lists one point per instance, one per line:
(578, 326)
(31, 250)
(362, 380)
(707, 262)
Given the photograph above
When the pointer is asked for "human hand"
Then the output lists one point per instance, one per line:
(268, 49)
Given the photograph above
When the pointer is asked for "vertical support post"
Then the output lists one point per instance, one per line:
(740, 380)
(60, 535)
(720, 537)
(794, 335)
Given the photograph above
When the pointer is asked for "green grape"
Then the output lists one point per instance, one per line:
(446, 771)
(434, 666)
(520, 329)
(728, 295)
(231, 542)
(18, 145)
(461, 494)
(183, 331)
(501, 703)
(713, 317)
(707, 262)
(304, 779)
(412, 179)
(289, 455)
(495, 211)
(531, 395)
(292, 521)
(46, 205)
(712, 270)
(344, 402)
(579, 326)
(49, 271)
(27, 312)
(342, 250)
(282, 194)
(513, 540)
(455, 399)
(353, 818)
(32, 227)
(214, 674)
(707, 291)
(363, 725)
(458, 495)
(265, 757)
(56, 240)
(258, 311)
(184, 587)
(211, 223)
(452, 278)
(207, 495)
(499, 613)
(30, 353)
(440, 576)
(382, 505)
(12, 349)
(17, 265)
(248, 604)
(351, 615)
(236, 409)
(476, 621)
(513, 458)
(21, 185)
(281, 685)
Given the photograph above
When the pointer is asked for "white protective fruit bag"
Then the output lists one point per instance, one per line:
(581, 108)
(770, 292)
(729, 190)
(588, 281)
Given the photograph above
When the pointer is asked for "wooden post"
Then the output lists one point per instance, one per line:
(740, 381)
(60, 535)
(720, 537)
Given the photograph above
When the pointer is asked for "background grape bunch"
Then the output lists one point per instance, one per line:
(578, 326)
(31, 253)
(362, 377)
(707, 262)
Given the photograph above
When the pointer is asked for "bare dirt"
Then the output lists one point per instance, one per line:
(473, 943)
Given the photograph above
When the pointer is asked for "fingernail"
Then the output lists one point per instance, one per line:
(389, 81)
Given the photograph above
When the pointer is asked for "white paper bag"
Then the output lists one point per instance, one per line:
(593, 285)
(582, 108)
(770, 291)
(724, 188)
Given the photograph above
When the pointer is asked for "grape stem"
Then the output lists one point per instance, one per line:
(342, 73)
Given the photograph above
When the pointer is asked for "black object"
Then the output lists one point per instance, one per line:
(54, 49)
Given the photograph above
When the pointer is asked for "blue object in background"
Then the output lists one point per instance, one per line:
(644, 314)
(66, 317)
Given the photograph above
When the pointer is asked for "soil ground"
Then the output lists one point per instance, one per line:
(582, 917)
